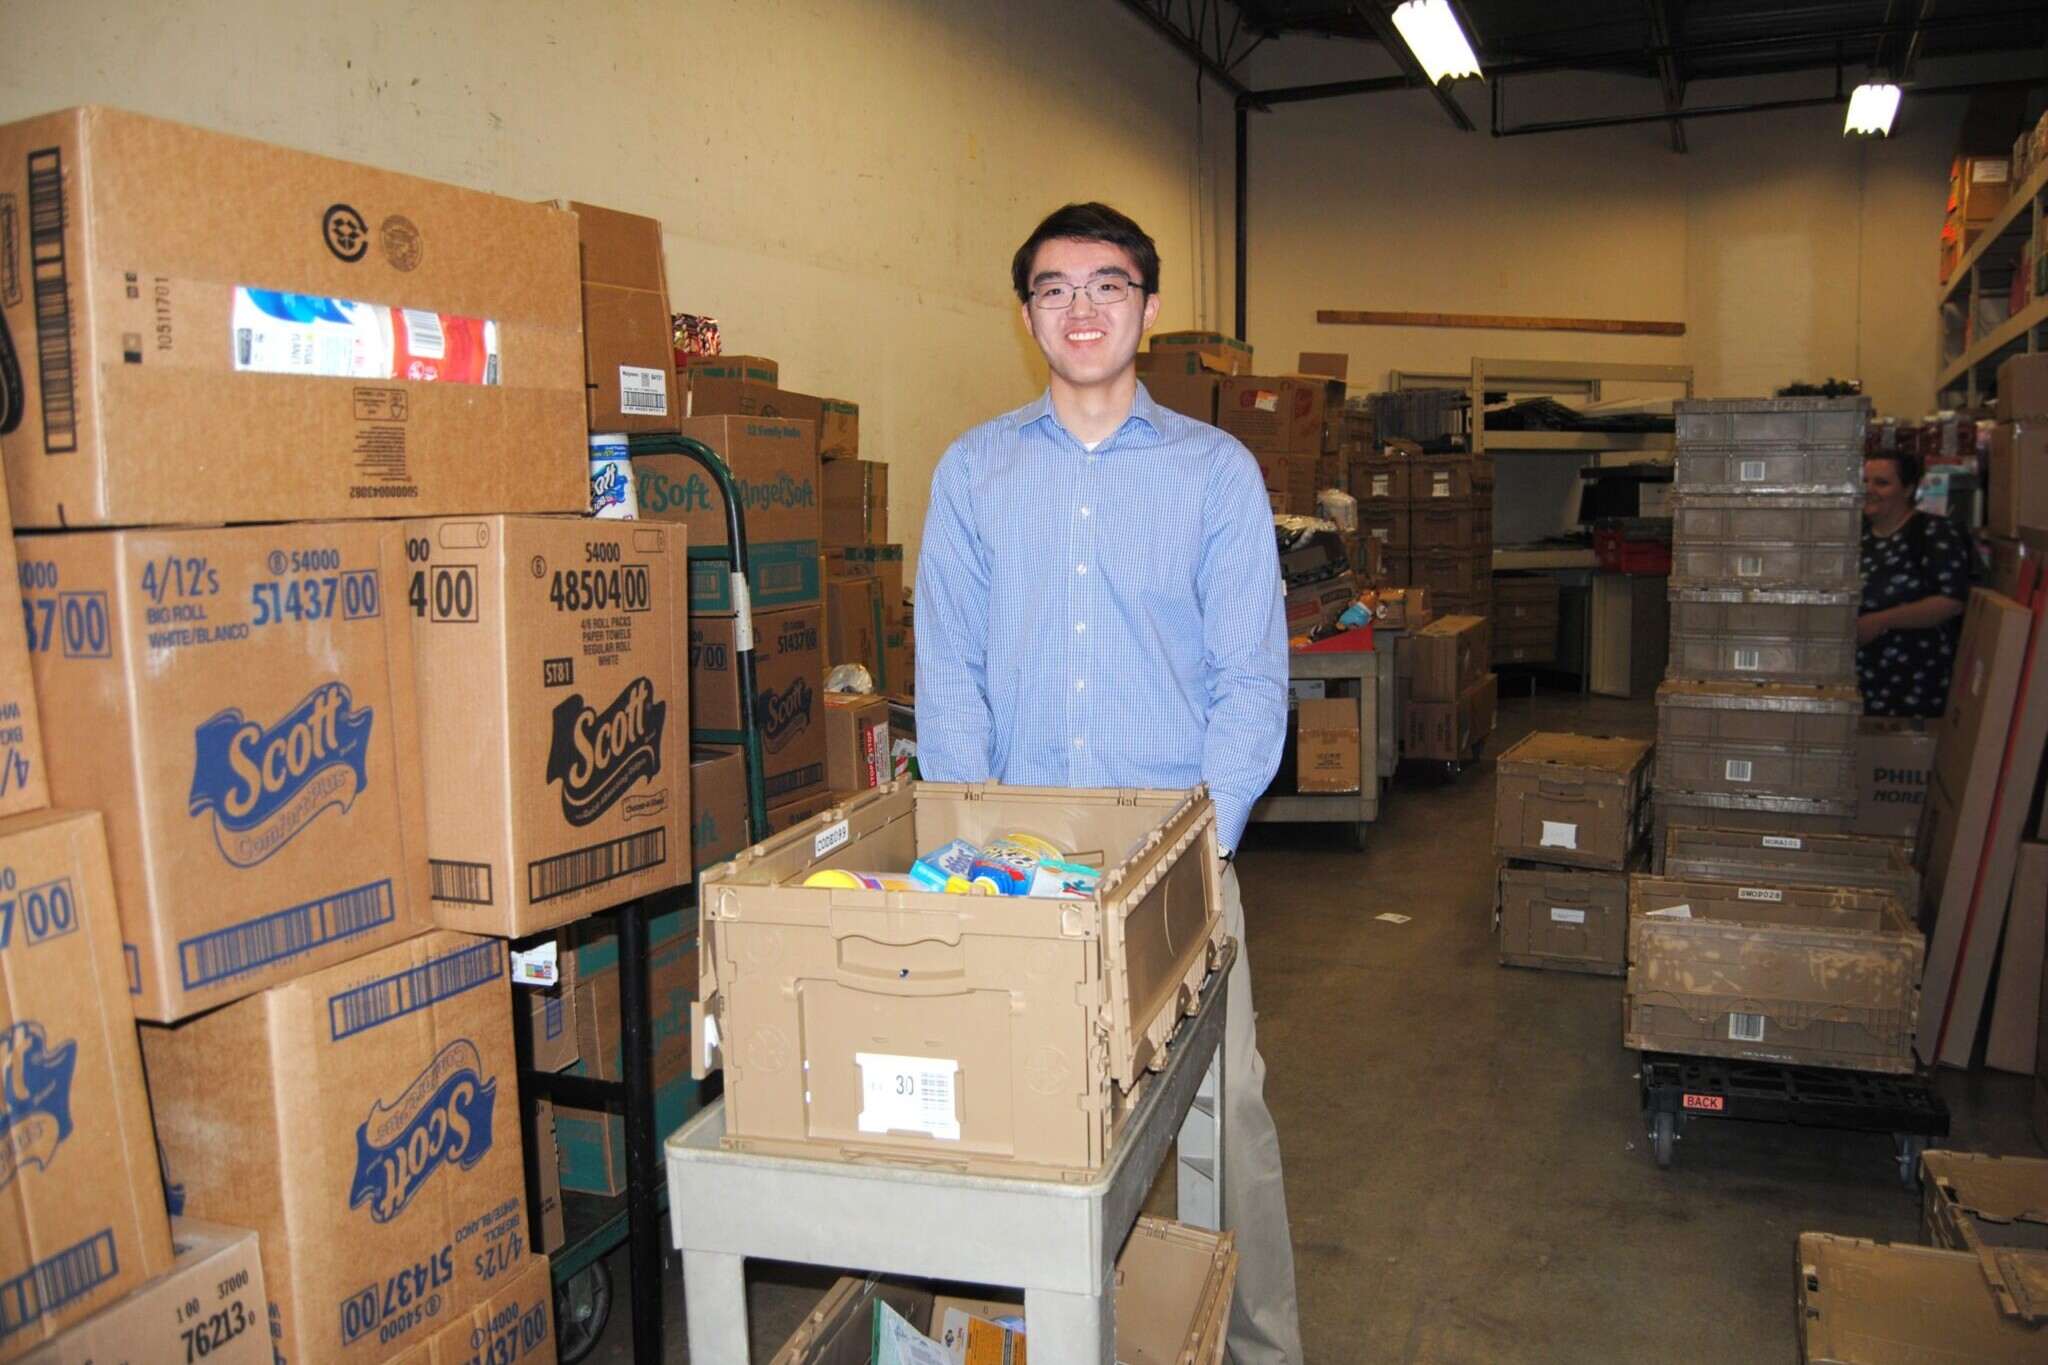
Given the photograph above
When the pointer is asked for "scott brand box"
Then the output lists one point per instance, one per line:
(239, 702)
(213, 1293)
(415, 347)
(554, 715)
(514, 1326)
(83, 1209)
(774, 467)
(364, 1120)
(789, 689)
(24, 785)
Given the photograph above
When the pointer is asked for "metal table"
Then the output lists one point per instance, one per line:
(1056, 1241)
(1373, 673)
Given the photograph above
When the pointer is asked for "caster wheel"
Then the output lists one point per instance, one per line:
(1358, 837)
(583, 1304)
(1663, 1139)
(1910, 1146)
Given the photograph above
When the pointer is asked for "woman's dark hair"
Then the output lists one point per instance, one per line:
(1904, 462)
(1089, 222)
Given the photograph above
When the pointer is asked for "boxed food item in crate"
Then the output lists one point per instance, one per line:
(1995, 1208)
(824, 1000)
(1792, 860)
(1862, 1301)
(1572, 919)
(1578, 800)
(415, 346)
(1771, 971)
(1810, 542)
(1738, 738)
(1750, 634)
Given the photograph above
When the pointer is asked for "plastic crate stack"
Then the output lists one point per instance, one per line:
(1427, 499)
(1757, 717)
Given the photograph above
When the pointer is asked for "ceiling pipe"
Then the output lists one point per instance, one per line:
(1751, 107)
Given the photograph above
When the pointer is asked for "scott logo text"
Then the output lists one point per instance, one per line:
(443, 1117)
(598, 755)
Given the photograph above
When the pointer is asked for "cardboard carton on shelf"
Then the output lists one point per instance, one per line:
(24, 785)
(853, 622)
(443, 373)
(1450, 732)
(1192, 394)
(1327, 745)
(84, 1209)
(628, 342)
(240, 703)
(855, 496)
(1159, 907)
(550, 1018)
(856, 742)
(748, 369)
(1444, 658)
(789, 684)
(215, 1268)
(672, 973)
(718, 804)
(554, 705)
(1279, 414)
(2023, 388)
(799, 809)
(1578, 800)
(1227, 354)
(544, 1155)
(774, 466)
(514, 1326)
(376, 1100)
(1894, 761)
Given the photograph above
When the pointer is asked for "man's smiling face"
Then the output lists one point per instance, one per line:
(1089, 343)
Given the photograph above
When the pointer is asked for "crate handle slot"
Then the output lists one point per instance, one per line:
(897, 928)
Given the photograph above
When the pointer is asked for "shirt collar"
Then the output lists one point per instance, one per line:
(1143, 423)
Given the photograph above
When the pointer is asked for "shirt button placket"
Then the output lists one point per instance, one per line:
(1082, 593)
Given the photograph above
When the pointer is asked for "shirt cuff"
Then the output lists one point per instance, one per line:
(1232, 815)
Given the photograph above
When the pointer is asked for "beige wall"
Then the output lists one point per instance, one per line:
(842, 181)
(1788, 251)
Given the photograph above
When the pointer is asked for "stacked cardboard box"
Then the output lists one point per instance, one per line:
(1185, 371)
(1433, 517)
(473, 718)
(1757, 717)
(1448, 694)
(1524, 618)
(1569, 817)
(1976, 1290)
(1290, 423)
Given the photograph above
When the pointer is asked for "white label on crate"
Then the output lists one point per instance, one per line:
(1680, 911)
(1560, 915)
(1559, 834)
(908, 1094)
(536, 966)
(1749, 660)
(1382, 486)
(1738, 770)
(1752, 471)
(831, 837)
(1440, 485)
(1759, 893)
(1990, 170)
(710, 1041)
(1382, 534)
(1783, 841)
(641, 392)
(1749, 566)
(1745, 1028)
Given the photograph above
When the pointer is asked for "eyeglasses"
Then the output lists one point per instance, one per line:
(1101, 292)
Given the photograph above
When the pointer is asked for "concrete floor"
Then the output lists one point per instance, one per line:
(1466, 1170)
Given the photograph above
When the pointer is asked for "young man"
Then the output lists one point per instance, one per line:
(1098, 605)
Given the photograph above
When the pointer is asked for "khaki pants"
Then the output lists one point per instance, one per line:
(1265, 1324)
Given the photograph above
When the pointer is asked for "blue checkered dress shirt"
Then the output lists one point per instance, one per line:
(1105, 618)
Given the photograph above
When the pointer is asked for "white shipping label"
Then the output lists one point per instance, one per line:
(1681, 911)
(1752, 471)
(1749, 660)
(1560, 915)
(1559, 834)
(1265, 400)
(1745, 1028)
(1759, 893)
(537, 966)
(908, 1094)
(1783, 841)
(1440, 485)
(831, 837)
(1738, 770)
(1382, 486)
(642, 392)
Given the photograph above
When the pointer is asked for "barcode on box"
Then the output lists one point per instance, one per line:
(361, 1008)
(1745, 1028)
(586, 867)
(423, 334)
(1749, 660)
(642, 392)
(50, 1284)
(51, 281)
(462, 883)
(284, 934)
(908, 1095)
(1752, 471)
(1738, 770)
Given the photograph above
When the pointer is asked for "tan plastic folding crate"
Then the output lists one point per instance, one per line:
(1786, 816)
(1739, 738)
(1862, 1302)
(1014, 1021)
(1745, 635)
(1995, 1208)
(1765, 972)
(1792, 859)
(1572, 799)
(1773, 424)
(1760, 541)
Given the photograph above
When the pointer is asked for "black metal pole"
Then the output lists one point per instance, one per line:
(1244, 137)
(643, 1155)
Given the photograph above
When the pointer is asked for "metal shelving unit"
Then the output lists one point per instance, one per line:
(595, 1225)
(1983, 268)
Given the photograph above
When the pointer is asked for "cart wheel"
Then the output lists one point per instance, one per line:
(1910, 1146)
(1663, 1139)
(1358, 837)
(583, 1304)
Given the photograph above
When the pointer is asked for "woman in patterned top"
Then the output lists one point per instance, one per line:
(1916, 576)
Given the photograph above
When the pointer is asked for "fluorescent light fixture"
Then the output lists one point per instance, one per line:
(1439, 44)
(1872, 108)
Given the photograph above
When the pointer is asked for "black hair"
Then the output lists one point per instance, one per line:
(1905, 462)
(1090, 222)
